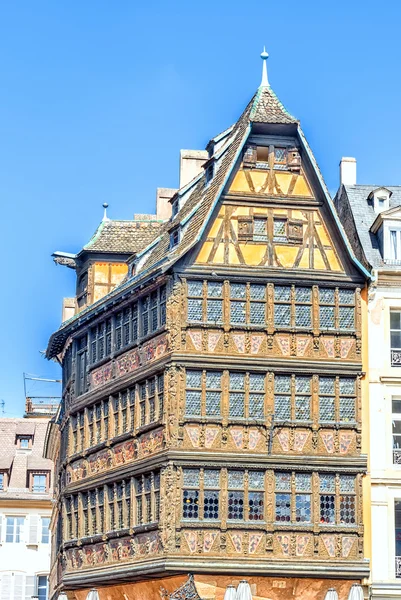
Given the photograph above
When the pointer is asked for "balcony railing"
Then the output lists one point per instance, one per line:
(396, 456)
(396, 358)
(398, 566)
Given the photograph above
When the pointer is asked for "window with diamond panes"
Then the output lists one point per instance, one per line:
(237, 395)
(347, 399)
(257, 304)
(214, 302)
(303, 489)
(280, 230)
(256, 495)
(235, 495)
(327, 498)
(282, 397)
(282, 305)
(347, 500)
(190, 493)
(327, 399)
(211, 491)
(282, 497)
(259, 229)
(303, 307)
(302, 398)
(203, 393)
(238, 303)
(195, 301)
(256, 399)
(336, 308)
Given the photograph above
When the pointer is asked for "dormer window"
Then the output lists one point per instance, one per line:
(395, 244)
(174, 208)
(209, 172)
(380, 199)
(174, 237)
(24, 442)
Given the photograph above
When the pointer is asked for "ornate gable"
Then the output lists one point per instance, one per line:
(185, 592)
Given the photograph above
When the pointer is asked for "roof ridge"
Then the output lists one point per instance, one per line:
(268, 108)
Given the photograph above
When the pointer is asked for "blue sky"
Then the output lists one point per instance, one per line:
(97, 98)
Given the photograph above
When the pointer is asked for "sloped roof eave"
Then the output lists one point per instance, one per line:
(331, 206)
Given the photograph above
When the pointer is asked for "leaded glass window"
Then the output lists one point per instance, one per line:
(347, 500)
(259, 229)
(203, 393)
(257, 304)
(256, 501)
(327, 398)
(214, 308)
(238, 303)
(280, 230)
(347, 399)
(303, 307)
(282, 306)
(195, 294)
(327, 308)
(327, 498)
(235, 495)
(282, 397)
(302, 398)
(303, 484)
(256, 396)
(346, 310)
(237, 395)
(190, 494)
(147, 497)
(211, 484)
(150, 400)
(283, 497)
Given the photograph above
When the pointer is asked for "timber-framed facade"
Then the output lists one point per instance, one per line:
(212, 403)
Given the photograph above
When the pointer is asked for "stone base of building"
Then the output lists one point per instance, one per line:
(211, 587)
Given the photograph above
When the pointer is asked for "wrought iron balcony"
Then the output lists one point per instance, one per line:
(398, 566)
(397, 456)
(396, 358)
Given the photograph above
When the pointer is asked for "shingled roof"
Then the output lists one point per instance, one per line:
(125, 237)
(198, 199)
(17, 463)
(358, 215)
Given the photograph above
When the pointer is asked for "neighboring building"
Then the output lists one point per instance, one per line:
(211, 419)
(372, 218)
(26, 481)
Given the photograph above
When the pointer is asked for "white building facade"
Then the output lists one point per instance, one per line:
(25, 509)
(371, 216)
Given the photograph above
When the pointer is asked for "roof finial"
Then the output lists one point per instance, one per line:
(264, 56)
(105, 217)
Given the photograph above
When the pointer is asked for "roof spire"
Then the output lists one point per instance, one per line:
(105, 217)
(264, 56)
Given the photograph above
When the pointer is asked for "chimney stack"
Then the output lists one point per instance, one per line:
(191, 162)
(163, 205)
(348, 171)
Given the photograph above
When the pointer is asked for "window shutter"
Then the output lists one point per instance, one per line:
(29, 586)
(6, 582)
(33, 529)
(1, 529)
(19, 586)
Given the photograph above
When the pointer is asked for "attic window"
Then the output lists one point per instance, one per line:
(174, 208)
(174, 237)
(24, 442)
(209, 172)
(280, 230)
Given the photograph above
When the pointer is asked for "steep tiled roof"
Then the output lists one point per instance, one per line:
(358, 215)
(267, 108)
(18, 462)
(123, 236)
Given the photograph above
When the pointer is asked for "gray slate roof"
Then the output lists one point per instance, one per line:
(126, 237)
(358, 215)
(17, 462)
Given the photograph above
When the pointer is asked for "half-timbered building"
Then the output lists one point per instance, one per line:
(211, 420)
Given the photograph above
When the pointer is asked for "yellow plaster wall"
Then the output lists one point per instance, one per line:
(106, 276)
(222, 241)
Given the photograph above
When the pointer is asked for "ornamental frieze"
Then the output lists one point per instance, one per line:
(280, 345)
(129, 361)
(114, 551)
(296, 440)
(109, 458)
(303, 545)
